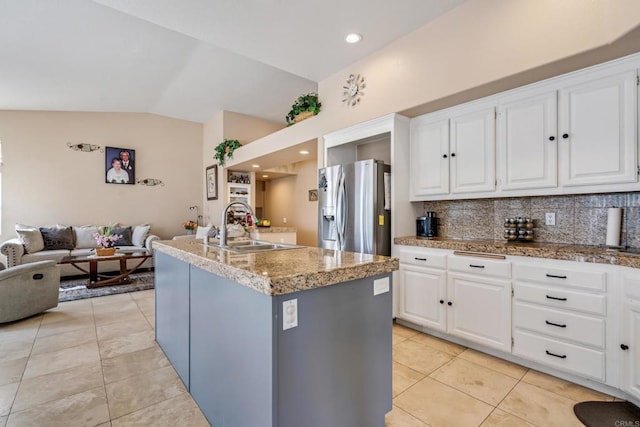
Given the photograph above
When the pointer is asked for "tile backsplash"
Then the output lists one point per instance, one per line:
(580, 219)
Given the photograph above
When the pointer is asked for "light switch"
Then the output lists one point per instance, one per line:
(289, 314)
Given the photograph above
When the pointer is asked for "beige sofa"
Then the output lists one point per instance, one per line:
(28, 247)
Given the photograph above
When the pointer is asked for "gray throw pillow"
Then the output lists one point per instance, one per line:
(125, 232)
(57, 238)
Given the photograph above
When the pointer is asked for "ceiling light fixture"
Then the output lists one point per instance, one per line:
(303, 152)
(265, 176)
(255, 166)
(353, 38)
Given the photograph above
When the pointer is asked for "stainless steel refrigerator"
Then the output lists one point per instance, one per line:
(354, 212)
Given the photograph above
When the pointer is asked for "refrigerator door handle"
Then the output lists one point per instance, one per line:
(341, 211)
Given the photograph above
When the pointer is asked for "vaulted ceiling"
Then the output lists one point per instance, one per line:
(188, 58)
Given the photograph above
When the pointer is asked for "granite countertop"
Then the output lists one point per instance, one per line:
(562, 251)
(280, 272)
(275, 229)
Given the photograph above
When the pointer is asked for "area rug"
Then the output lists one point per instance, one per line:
(605, 414)
(76, 287)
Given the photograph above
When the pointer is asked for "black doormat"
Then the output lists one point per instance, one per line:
(73, 288)
(605, 414)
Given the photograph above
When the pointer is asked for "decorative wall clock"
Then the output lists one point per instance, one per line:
(353, 90)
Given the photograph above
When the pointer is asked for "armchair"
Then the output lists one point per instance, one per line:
(28, 289)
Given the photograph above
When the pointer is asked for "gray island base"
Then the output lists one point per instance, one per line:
(227, 343)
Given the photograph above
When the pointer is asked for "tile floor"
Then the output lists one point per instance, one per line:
(94, 362)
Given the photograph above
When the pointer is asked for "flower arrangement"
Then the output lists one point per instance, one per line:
(190, 225)
(105, 237)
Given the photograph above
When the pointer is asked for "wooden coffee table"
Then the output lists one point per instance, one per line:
(96, 279)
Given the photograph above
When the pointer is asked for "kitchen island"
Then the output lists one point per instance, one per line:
(281, 338)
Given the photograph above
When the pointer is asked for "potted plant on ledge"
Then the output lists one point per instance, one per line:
(225, 148)
(305, 106)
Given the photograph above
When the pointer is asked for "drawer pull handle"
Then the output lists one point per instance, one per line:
(555, 324)
(419, 259)
(555, 276)
(556, 298)
(476, 266)
(564, 356)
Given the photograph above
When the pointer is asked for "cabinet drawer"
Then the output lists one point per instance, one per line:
(575, 327)
(561, 355)
(480, 266)
(593, 280)
(558, 297)
(423, 258)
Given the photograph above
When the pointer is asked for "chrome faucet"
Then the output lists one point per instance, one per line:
(223, 221)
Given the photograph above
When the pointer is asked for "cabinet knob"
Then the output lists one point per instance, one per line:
(444, 156)
(565, 135)
(552, 138)
(449, 303)
(441, 301)
(453, 154)
(624, 347)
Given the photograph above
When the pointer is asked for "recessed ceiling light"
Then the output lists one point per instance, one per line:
(265, 176)
(255, 166)
(303, 152)
(353, 38)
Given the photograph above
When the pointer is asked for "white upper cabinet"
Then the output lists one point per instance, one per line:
(472, 145)
(571, 134)
(527, 142)
(597, 131)
(453, 153)
(429, 154)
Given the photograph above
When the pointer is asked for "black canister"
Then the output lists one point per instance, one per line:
(427, 226)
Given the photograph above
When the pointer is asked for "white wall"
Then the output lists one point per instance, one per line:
(44, 182)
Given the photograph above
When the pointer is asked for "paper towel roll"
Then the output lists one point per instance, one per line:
(614, 222)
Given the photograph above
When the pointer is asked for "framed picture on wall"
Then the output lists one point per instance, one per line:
(120, 165)
(211, 176)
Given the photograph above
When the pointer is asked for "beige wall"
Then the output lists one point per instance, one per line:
(475, 44)
(228, 125)
(44, 182)
(288, 197)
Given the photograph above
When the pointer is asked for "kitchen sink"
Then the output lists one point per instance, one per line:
(250, 246)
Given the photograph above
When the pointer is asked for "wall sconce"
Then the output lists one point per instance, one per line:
(150, 182)
(87, 148)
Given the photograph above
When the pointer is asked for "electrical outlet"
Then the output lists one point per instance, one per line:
(284, 220)
(550, 218)
(289, 314)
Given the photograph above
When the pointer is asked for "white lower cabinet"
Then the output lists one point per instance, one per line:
(629, 346)
(479, 301)
(579, 318)
(560, 316)
(469, 304)
(421, 293)
(422, 287)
